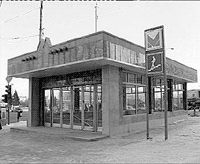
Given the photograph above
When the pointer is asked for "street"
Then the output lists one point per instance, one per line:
(183, 146)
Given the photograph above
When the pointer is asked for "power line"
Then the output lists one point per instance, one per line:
(79, 19)
(15, 38)
(18, 15)
(89, 17)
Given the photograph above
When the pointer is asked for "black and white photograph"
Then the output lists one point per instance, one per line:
(99, 81)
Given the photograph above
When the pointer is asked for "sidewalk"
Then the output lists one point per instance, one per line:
(183, 146)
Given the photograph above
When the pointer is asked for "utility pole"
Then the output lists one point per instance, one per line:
(96, 17)
(40, 32)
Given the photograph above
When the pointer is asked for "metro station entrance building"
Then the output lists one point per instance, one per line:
(98, 83)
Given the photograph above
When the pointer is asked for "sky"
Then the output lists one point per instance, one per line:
(65, 20)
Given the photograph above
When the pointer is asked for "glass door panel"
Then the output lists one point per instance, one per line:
(56, 107)
(66, 106)
(88, 112)
(77, 107)
(99, 105)
(47, 107)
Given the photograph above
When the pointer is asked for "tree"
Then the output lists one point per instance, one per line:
(24, 103)
(16, 100)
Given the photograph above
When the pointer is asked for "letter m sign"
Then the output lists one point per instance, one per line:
(153, 39)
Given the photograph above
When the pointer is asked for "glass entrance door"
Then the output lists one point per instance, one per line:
(82, 108)
(75, 107)
(52, 107)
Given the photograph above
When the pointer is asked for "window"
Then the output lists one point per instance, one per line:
(134, 93)
(129, 101)
(141, 108)
(134, 100)
(177, 96)
(133, 78)
(158, 92)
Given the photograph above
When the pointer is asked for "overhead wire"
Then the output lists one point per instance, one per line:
(80, 19)
(75, 20)
(20, 37)
(17, 38)
(19, 16)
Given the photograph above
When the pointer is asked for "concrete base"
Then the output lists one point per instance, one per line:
(137, 123)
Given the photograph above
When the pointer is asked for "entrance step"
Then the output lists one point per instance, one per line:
(61, 133)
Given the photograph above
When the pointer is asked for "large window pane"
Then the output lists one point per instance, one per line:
(47, 108)
(66, 105)
(130, 101)
(56, 106)
(177, 96)
(141, 100)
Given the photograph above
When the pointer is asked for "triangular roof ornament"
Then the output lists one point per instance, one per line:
(43, 42)
(40, 45)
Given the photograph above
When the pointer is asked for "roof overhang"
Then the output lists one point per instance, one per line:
(78, 66)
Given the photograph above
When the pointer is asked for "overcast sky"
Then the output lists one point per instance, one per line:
(19, 27)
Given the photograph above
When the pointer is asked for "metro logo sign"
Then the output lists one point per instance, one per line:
(153, 39)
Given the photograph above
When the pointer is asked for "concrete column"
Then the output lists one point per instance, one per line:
(110, 99)
(82, 108)
(61, 107)
(185, 96)
(72, 108)
(42, 107)
(170, 94)
(34, 102)
(95, 119)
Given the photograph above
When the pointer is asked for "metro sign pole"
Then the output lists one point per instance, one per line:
(155, 66)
